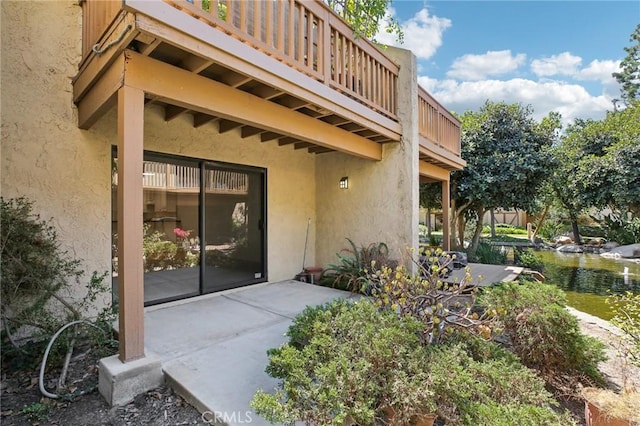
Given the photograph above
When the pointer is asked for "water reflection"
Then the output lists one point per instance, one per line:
(589, 278)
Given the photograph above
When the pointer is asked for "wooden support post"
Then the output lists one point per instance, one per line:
(446, 220)
(130, 268)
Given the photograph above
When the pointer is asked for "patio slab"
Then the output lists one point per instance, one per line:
(213, 348)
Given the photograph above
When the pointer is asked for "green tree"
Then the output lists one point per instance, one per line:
(629, 75)
(430, 199)
(366, 17)
(507, 161)
(598, 165)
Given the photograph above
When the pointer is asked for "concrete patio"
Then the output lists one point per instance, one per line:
(213, 348)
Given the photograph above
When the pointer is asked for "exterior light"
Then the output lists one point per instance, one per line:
(344, 183)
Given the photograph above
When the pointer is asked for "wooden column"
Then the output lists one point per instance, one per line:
(130, 267)
(446, 221)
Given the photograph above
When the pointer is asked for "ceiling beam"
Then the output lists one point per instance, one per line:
(200, 119)
(172, 111)
(287, 141)
(225, 126)
(248, 131)
(197, 93)
(269, 136)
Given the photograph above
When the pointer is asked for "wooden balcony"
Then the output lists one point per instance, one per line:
(439, 133)
(296, 55)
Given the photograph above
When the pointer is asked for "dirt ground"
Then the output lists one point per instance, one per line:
(22, 404)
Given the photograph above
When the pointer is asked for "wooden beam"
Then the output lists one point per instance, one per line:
(287, 141)
(130, 201)
(234, 80)
(291, 102)
(432, 171)
(196, 64)
(96, 65)
(202, 119)
(302, 145)
(319, 150)
(198, 38)
(446, 221)
(197, 93)
(429, 149)
(172, 111)
(102, 95)
(248, 131)
(227, 125)
(266, 92)
(269, 136)
(147, 49)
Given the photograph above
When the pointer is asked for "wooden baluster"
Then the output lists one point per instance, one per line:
(256, 6)
(267, 23)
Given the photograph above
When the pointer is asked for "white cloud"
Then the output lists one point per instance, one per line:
(563, 64)
(479, 67)
(422, 33)
(571, 100)
(599, 71)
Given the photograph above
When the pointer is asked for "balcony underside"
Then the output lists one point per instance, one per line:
(436, 163)
(188, 67)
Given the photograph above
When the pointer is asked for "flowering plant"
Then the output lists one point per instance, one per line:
(181, 233)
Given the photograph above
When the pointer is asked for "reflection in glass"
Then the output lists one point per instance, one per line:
(233, 228)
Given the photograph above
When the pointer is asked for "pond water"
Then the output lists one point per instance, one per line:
(589, 278)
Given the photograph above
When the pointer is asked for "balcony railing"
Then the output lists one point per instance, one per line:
(306, 35)
(437, 124)
(171, 177)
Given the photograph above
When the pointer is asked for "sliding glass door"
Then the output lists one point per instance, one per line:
(204, 227)
(234, 250)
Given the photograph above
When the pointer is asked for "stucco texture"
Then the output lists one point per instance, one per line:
(381, 203)
(66, 171)
(45, 157)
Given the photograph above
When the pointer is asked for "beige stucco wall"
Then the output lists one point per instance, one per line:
(66, 171)
(381, 203)
(290, 178)
(45, 157)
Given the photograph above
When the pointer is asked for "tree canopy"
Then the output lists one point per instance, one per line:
(507, 155)
(629, 75)
(366, 17)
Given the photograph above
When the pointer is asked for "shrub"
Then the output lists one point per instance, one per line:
(495, 389)
(626, 309)
(351, 271)
(350, 363)
(622, 231)
(356, 363)
(528, 259)
(545, 335)
(37, 278)
(425, 296)
(488, 254)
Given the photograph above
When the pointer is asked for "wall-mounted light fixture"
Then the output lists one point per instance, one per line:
(344, 182)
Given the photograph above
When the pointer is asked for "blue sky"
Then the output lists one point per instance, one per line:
(553, 55)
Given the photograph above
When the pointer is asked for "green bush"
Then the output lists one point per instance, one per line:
(349, 362)
(545, 335)
(626, 308)
(37, 279)
(622, 231)
(357, 362)
(351, 271)
(439, 306)
(488, 254)
(472, 391)
(528, 259)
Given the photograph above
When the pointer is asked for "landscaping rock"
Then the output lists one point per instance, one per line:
(631, 251)
(570, 248)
